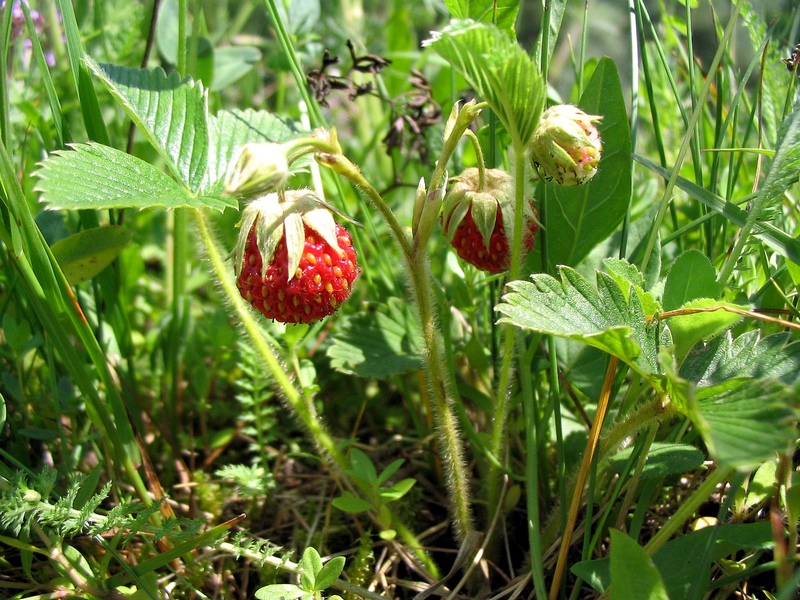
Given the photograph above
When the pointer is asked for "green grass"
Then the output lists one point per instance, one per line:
(556, 431)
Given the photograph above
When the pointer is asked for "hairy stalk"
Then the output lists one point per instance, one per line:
(504, 384)
(438, 376)
(303, 409)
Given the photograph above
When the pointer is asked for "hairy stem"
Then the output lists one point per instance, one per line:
(439, 378)
(504, 382)
(303, 409)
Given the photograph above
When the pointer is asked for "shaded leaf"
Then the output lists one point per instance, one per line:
(663, 459)
(744, 422)
(100, 177)
(679, 560)
(633, 574)
(171, 113)
(378, 344)
(232, 63)
(83, 255)
(577, 218)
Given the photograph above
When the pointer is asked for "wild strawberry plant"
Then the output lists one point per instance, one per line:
(598, 400)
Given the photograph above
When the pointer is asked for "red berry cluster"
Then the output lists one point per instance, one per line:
(496, 256)
(321, 282)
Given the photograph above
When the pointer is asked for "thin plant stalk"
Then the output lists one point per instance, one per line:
(438, 376)
(586, 463)
(684, 148)
(301, 405)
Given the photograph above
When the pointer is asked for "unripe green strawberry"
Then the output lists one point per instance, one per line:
(293, 262)
(478, 223)
(566, 145)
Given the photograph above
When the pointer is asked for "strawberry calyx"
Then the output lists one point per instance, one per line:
(466, 196)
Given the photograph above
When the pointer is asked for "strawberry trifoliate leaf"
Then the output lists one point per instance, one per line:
(749, 355)
(744, 422)
(99, 177)
(170, 112)
(378, 343)
(604, 317)
(501, 72)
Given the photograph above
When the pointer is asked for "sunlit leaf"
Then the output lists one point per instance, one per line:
(692, 276)
(571, 307)
(170, 112)
(688, 329)
(502, 13)
(230, 130)
(99, 177)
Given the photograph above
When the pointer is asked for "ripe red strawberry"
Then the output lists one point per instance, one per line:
(476, 220)
(297, 265)
(495, 256)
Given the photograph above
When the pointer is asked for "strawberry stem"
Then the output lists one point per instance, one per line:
(305, 410)
(479, 159)
(439, 378)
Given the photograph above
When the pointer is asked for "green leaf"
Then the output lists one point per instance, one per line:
(687, 330)
(86, 253)
(230, 130)
(100, 177)
(577, 218)
(663, 459)
(282, 591)
(502, 13)
(390, 470)
(501, 72)
(684, 562)
(329, 573)
(785, 167)
(310, 565)
(633, 574)
(744, 422)
(679, 560)
(351, 504)
(398, 490)
(692, 276)
(749, 355)
(378, 344)
(572, 308)
(231, 63)
(362, 466)
(170, 112)
(777, 240)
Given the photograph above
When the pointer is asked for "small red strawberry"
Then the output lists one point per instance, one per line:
(476, 221)
(293, 262)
